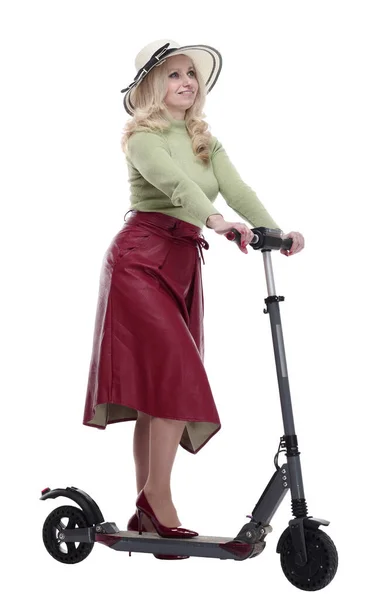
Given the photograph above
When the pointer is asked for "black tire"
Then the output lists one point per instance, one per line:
(321, 565)
(65, 552)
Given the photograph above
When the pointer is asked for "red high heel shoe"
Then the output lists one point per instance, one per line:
(133, 525)
(144, 507)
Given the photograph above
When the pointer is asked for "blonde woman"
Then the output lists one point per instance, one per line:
(147, 357)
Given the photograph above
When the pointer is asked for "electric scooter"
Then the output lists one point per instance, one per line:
(308, 556)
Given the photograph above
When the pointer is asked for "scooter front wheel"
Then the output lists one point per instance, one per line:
(60, 519)
(321, 565)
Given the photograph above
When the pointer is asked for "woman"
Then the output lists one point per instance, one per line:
(147, 358)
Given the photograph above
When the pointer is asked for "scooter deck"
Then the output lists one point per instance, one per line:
(199, 539)
(205, 546)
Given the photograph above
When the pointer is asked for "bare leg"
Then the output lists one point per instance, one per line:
(141, 449)
(165, 435)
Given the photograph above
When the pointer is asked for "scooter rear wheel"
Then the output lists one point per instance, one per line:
(322, 562)
(65, 552)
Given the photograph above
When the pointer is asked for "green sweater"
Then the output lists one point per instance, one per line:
(165, 176)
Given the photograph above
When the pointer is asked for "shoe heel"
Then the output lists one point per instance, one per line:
(139, 514)
(143, 506)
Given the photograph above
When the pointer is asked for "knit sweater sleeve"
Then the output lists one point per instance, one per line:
(237, 194)
(149, 154)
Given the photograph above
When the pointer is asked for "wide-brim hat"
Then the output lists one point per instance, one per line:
(207, 61)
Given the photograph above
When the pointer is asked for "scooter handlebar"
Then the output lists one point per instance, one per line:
(264, 239)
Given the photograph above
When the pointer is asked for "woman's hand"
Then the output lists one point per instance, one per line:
(218, 224)
(298, 243)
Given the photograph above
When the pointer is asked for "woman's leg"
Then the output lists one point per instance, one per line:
(165, 435)
(155, 447)
(141, 449)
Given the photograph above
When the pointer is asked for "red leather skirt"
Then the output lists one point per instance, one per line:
(148, 345)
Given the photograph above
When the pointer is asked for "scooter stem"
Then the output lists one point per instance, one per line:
(273, 309)
(271, 288)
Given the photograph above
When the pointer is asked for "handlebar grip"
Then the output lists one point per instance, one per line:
(264, 239)
(287, 244)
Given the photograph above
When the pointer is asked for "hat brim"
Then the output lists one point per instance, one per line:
(207, 60)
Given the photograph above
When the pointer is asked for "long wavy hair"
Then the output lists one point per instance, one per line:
(151, 113)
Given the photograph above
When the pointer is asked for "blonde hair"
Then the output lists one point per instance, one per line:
(151, 113)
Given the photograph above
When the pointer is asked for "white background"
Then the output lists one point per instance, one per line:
(301, 107)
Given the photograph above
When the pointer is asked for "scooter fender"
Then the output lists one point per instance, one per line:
(89, 507)
(309, 523)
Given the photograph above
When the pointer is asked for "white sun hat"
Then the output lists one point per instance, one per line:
(207, 60)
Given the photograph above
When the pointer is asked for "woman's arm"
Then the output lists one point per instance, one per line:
(237, 194)
(149, 155)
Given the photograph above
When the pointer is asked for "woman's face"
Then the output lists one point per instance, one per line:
(182, 85)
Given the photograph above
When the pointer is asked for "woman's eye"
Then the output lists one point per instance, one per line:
(175, 73)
